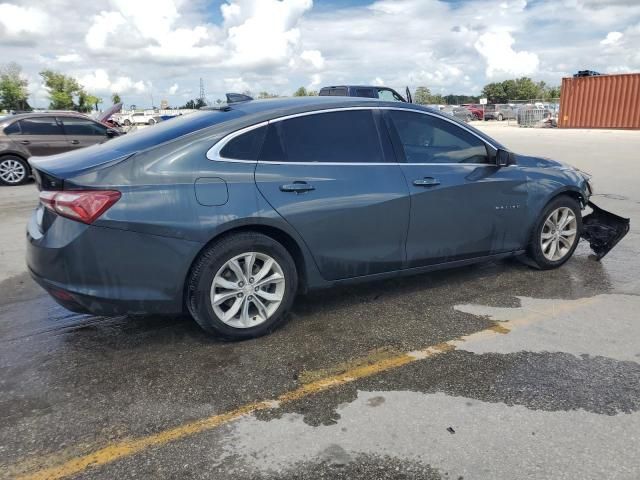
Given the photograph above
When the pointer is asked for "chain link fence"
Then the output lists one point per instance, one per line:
(538, 113)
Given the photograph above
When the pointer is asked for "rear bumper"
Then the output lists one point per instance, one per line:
(107, 271)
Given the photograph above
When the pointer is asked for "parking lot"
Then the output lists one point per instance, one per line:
(490, 371)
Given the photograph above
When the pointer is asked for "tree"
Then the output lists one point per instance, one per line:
(452, 99)
(494, 93)
(115, 98)
(13, 88)
(301, 92)
(267, 95)
(519, 89)
(422, 96)
(62, 89)
(195, 104)
(86, 102)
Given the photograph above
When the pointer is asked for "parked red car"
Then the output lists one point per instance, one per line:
(477, 112)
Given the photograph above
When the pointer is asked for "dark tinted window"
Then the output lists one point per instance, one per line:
(245, 146)
(12, 129)
(427, 139)
(349, 137)
(40, 126)
(80, 126)
(339, 92)
(366, 92)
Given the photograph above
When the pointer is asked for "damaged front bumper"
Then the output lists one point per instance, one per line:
(603, 230)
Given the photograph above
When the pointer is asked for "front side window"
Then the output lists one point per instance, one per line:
(40, 126)
(428, 139)
(349, 136)
(79, 126)
(13, 129)
(338, 92)
(388, 95)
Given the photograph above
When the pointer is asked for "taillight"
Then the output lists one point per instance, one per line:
(82, 205)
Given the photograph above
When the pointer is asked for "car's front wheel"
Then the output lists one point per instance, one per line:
(556, 234)
(13, 170)
(242, 286)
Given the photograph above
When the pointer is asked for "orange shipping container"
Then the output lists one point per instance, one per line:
(605, 101)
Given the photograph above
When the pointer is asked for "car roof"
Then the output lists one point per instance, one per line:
(357, 86)
(19, 116)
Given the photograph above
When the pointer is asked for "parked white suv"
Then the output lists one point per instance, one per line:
(138, 118)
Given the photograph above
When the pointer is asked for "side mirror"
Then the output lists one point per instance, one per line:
(503, 158)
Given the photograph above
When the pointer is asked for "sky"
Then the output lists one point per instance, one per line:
(150, 50)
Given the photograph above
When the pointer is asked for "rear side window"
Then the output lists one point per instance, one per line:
(339, 92)
(79, 126)
(13, 129)
(245, 146)
(345, 137)
(366, 92)
(428, 139)
(40, 126)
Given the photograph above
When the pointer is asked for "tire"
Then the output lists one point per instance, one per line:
(500, 117)
(151, 122)
(541, 250)
(13, 170)
(215, 264)
(127, 123)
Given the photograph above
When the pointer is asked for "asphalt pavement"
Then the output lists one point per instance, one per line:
(494, 371)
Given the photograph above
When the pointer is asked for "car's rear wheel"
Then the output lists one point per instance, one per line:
(500, 117)
(151, 121)
(13, 170)
(556, 234)
(242, 286)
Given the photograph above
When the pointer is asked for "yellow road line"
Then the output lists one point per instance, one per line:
(126, 448)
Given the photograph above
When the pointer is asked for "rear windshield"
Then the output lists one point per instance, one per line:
(171, 129)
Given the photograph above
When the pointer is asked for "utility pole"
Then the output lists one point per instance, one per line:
(201, 96)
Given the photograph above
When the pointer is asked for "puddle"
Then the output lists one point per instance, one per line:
(562, 385)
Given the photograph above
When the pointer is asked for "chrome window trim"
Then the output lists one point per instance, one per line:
(214, 152)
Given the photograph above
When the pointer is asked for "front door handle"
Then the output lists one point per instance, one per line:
(426, 182)
(298, 187)
(75, 142)
(25, 142)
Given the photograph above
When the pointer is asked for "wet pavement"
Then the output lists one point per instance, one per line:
(489, 371)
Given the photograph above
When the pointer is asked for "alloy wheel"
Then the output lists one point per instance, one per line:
(559, 233)
(12, 171)
(247, 290)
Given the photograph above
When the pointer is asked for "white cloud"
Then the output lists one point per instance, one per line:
(262, 33)
(501, 58)
(69, 58)
(313, 58)
(104, 24)
(612, 38)
(278, 46)
(173, 89)
(99, 82)
(17, 21)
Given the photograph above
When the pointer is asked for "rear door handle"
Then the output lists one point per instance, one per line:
(25, 142)
(426, 182)
(298, 187)
(75, 142)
